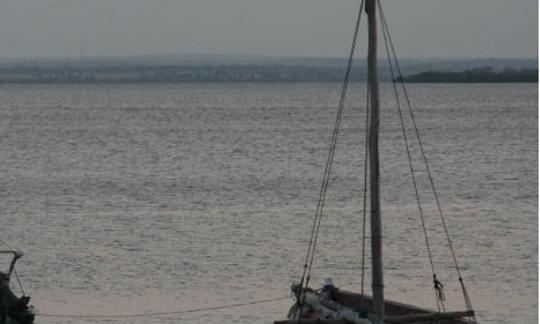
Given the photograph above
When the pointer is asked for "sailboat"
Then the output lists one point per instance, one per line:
(330, 305)
(13, 309)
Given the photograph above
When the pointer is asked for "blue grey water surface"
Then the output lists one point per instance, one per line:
(156, 198)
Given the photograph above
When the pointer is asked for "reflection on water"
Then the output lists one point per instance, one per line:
(135, 198)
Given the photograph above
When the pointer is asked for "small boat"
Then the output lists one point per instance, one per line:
(13, 309)
(330, 305)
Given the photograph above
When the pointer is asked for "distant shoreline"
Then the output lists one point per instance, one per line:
(176, 74)
(240, 74)
(477, 75)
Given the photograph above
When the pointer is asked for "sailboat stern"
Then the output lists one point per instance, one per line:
(14, 309)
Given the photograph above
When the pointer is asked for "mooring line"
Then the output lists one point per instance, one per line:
(152, 314)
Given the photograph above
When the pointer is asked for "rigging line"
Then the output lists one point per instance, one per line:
(428, 169)
(6, 244)
(152, 314)
(326, 177)
(19, 281)
(409, 157)
(336, 131)
(324, 185)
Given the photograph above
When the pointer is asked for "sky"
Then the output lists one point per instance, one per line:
(317, 28)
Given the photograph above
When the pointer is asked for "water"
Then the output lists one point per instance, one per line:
(145, 198)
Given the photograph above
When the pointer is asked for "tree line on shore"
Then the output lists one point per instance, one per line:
(239, 73)
(482, 74)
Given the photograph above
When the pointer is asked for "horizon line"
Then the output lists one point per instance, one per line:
(253, 56)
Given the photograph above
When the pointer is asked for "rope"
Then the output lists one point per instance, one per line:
(468, 303)
(306, 275)
(411, 167)
(324, 186)
(7, 245)
(19, 281)
(152, 314)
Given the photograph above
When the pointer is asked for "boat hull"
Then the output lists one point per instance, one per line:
(395, 312)
(392, 309)
(25, 317)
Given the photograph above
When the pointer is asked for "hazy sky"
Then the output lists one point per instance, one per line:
(420, 28)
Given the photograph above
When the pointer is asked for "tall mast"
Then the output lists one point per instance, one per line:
(375, 202)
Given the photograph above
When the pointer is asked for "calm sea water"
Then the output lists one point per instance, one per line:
(156, 198)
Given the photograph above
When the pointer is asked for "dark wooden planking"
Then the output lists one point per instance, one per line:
(314, 321)
(429, 317)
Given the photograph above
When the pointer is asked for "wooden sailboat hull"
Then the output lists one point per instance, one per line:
(396, 312)
(13, 309)
(25, 316)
